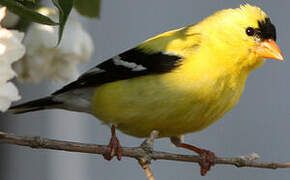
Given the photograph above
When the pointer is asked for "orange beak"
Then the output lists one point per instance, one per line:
(269, 49)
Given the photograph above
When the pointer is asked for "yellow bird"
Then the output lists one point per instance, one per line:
(177, 82)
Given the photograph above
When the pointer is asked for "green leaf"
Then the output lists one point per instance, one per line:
(89, 8)
(64, 8)
(27, 13)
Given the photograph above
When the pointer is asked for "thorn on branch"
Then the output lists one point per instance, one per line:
(147, 145)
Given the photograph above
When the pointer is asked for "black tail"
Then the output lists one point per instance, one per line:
(39, 104)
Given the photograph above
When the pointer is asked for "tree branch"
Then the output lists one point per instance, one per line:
(132, 152)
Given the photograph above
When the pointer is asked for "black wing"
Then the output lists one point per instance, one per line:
(130, 64)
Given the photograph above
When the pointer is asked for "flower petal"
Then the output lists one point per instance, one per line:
(8, 94)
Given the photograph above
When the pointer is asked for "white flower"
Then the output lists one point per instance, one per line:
(43, 60)
(10, 19)
(11, 50)
(8, 93)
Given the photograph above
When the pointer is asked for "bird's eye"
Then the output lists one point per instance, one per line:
(250, 31)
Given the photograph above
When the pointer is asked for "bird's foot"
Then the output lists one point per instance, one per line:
(207, 160)
(114, 147)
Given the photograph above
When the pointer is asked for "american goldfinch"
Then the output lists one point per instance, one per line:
(177, 82)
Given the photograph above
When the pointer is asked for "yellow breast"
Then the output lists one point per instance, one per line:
(174, 103)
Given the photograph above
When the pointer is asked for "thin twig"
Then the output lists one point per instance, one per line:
(147, 170)
(131, 152)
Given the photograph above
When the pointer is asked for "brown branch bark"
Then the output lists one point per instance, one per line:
(131, 152)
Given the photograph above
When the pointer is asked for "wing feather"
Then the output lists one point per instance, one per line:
(160, 54)
(130, 64)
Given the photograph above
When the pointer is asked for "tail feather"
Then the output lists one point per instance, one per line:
(39, 104)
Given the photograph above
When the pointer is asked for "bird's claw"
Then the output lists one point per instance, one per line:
(207, 159)
(114, 148)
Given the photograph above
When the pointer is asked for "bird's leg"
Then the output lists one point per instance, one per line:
(114, 147)
(207, 158)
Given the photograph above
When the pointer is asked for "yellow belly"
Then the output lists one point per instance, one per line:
(171, 104)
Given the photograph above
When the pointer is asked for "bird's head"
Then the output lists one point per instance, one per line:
(246, 33)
